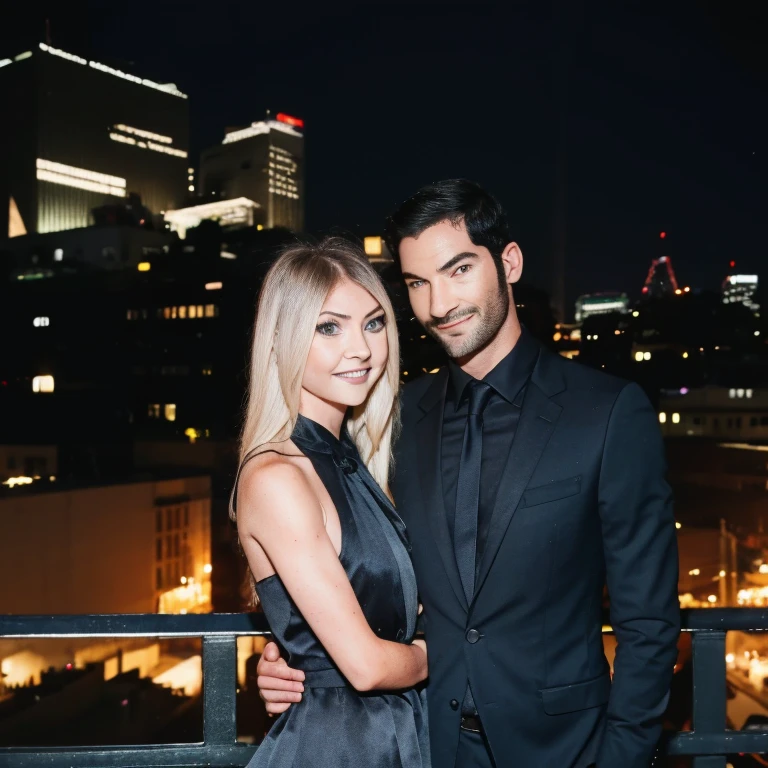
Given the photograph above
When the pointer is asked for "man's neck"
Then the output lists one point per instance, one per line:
(481, 363)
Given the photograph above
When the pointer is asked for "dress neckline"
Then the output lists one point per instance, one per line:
(309, 435)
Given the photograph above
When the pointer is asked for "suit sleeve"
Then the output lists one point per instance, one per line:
(640, 549)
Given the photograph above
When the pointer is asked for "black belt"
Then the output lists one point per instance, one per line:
(471, 723)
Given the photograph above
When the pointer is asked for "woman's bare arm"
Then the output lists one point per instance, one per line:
(278, 509)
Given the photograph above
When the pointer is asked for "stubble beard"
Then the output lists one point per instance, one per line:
(489, 321)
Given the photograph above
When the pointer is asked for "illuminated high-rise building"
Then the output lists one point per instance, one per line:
(263, 163)
(741, 289)
(660, 282)
(600, 304)
(79, 134)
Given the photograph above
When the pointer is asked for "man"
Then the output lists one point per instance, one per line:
(527, 483)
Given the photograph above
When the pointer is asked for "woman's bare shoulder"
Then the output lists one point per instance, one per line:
(277, 475)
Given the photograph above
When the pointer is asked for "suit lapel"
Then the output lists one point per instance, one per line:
(537, 422)
(429, 450)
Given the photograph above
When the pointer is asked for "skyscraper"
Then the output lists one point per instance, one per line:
(77, 134)
(741, 289)
(263, 163)
(600, 304)
(661, 281)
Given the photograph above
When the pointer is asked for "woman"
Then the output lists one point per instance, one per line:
(326, 549)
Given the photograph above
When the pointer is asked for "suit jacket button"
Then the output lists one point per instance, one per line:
(454, 704)
(472, 636)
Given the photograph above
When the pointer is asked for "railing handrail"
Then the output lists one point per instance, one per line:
(708, 743)
(245, 624)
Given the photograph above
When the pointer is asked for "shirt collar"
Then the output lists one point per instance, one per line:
(508, 377)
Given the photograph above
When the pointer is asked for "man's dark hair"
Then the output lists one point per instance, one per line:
(454, 200)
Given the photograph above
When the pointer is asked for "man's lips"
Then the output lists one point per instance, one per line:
(448, 326)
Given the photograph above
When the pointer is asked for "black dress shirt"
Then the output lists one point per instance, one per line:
(509, 380)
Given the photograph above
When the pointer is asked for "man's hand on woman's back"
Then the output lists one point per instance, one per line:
(279, 685)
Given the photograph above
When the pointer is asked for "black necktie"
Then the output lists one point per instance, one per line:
(468, 487)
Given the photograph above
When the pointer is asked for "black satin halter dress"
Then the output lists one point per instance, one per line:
(334, 726)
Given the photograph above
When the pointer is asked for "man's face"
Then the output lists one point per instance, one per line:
(456, 290)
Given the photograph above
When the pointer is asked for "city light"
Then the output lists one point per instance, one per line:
(722, 574)
(557, 336)
(165, 87)
(635, 314)
(207, 568)
(170, 411)
(685, 355)
(372, 246)
(639, 357)
(215, 286)
(675, 418)
(662, 418)
(41, 322)
(42, 384)
(694, 572)
(712, 598)
(646, 355)
(11, 482)
(58, 254)
(144, 134)
(80, 178)
(296, 122)
(678, 526)
(144, 266)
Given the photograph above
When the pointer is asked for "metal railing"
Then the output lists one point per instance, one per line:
(708, 743)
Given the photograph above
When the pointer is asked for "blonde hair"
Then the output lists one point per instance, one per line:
(291, 298)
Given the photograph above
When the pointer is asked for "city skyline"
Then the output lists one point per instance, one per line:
(662, 114)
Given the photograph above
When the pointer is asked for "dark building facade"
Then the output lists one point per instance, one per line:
(79, 134)
(263, 163)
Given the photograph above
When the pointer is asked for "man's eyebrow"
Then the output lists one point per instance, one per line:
(452, 262)
(336, 314)
(456, 259)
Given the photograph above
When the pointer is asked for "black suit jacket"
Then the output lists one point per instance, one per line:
(583, 502)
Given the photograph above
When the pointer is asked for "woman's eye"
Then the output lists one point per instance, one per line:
(327, 329)
(376, 324)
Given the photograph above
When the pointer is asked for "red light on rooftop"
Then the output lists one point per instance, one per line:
(645, 289)
(662, 235)
(732, 264)
(296, 122)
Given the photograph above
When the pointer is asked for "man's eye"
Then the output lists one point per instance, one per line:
(327, 329)
(463, 269)
(416, 284)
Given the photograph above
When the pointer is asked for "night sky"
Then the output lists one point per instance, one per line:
(664, 108)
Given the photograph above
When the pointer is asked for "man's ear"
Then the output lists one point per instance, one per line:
(512, 259)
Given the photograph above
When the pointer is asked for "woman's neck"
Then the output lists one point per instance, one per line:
(325, 413)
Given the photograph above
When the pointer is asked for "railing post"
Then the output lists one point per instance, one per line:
(709, 691)
(219, 690)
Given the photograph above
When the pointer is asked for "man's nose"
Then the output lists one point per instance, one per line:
(441, 302)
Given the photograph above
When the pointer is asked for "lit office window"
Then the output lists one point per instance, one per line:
(170, 411)
(182, 313)
(192, 312)
(42, 384)
(41, 322)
